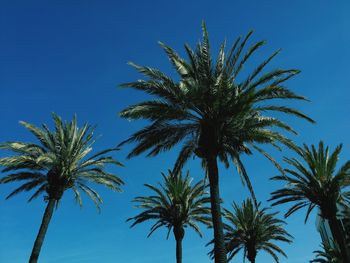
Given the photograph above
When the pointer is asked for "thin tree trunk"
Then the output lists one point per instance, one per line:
(251, 255)
(339, 238)
(42, 231)
(179, 251)
(219, 243)
(179, 233)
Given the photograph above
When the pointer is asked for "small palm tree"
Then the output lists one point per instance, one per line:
(252, 229)
(55, 164)
(316, 183)
(215, 113)
(328, 254)
(175, 205)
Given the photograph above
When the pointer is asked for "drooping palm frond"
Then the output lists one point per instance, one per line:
(213, 108)
(175, 203)
(314, 181)
(253, 229)
(58, 162)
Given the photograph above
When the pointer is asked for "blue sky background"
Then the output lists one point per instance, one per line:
(69, 57)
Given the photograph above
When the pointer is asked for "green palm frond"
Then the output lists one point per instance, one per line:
(59, 162)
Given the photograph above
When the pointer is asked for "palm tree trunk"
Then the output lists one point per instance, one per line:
(179, 251)
(251, 255)
(179, 234)
(219, 243)
(339, 238)
(42, 231)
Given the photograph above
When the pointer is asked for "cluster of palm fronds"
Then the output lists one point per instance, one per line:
(217, 114)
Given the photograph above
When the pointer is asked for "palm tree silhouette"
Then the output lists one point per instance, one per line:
(175, 204)
(58, 162)
(214, 112)
(314, 182)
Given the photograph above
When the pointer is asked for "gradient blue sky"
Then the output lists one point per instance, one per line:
(69, 57)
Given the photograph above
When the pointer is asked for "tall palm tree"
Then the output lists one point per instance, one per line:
(314, 182)
(328, 254)
(56, 163)
(253, 229)
(176, 204)
(213, 112)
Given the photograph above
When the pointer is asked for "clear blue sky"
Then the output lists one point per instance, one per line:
(70, 56)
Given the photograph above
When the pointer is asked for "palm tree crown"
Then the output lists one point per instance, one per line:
(58, 162)
(315, 183)
(209, 109)
(252, 229)
(175, 203)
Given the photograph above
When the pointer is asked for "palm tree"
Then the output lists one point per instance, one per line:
(252, 229)
(212, 113)
(55, 164)
(328, 254)
(175, 205)
(315, 183)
